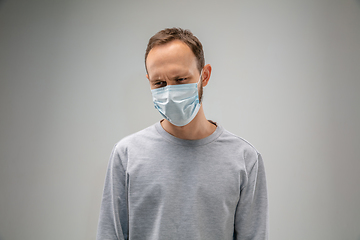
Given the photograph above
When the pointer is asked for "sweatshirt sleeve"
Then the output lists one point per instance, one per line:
(113, 220)
(251, 217)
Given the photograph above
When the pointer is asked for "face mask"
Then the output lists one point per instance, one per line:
(178, 104)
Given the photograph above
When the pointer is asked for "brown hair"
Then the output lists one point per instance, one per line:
(170, 34)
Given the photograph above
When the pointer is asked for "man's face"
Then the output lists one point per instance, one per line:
(170, 64)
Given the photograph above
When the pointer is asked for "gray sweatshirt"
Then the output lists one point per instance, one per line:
(160, 187)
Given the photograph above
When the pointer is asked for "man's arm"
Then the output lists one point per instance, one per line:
(251, 217)
(113, 220)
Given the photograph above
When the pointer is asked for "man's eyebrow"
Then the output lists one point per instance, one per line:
(155, 79)
(177, 76)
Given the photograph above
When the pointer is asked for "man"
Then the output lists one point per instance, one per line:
(184, 177)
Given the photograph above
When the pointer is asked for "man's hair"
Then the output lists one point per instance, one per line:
(170, 34)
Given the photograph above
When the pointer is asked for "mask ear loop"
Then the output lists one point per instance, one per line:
(200, 79)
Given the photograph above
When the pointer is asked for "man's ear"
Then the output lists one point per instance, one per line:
(147, 76)
(205, 77)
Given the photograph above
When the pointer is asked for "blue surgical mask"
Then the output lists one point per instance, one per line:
(179, 103)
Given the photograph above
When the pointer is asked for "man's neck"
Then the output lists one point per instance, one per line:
(198, 128)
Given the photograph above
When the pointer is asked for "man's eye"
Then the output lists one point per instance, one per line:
(160, 84)
(181, 79)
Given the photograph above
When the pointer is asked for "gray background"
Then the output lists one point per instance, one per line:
(285, 77)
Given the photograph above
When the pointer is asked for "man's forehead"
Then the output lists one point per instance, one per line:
(173, 44)
(172, 58)
(171, 51)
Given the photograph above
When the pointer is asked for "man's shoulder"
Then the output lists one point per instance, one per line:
(240, 141)
(143, 136)
(236, 143)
